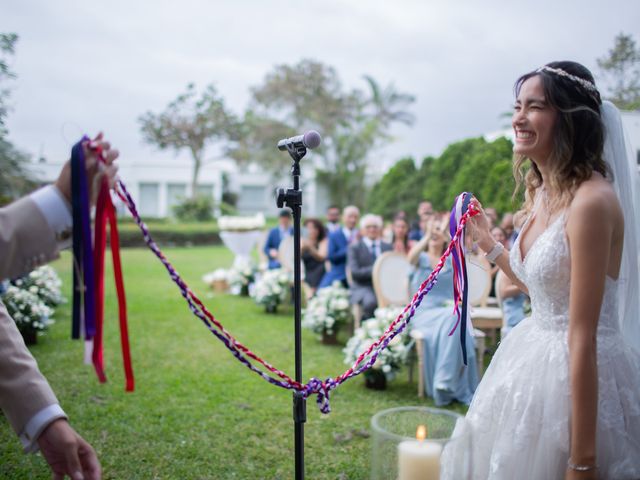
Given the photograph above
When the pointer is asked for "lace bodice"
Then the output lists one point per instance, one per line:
(546, 271)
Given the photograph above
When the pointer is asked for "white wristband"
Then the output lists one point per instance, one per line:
(495, 252)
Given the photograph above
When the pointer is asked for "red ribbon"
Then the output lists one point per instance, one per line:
(106, 212)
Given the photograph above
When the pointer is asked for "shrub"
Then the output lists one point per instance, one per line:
(198, 208)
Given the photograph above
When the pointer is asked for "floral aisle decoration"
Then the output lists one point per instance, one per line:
(327, 311)
(31, 314)
(45, 283)
(217, 280)
(390, 359)
(30, 300)
(241, 276)
(272, 288)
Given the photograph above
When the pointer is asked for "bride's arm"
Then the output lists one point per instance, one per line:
(589, 230)
(480, 228)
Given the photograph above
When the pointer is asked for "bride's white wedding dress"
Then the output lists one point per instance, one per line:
(520, 414)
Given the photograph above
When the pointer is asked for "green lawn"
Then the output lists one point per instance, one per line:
(197, 413)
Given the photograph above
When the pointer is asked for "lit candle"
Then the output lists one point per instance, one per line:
(419, 459)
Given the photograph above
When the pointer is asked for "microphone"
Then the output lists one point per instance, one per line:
(310, 139)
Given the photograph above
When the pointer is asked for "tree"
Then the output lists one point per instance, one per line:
(353, 124)
(192, 123)
(15, 179)
(621, 70)
(399, 189)
(7, 49)
(471, 165)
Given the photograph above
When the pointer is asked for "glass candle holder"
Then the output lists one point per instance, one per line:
(397, 453)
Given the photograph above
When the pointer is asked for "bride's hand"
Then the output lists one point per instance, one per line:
(480, 227)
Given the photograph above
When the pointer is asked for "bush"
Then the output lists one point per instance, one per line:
(199, 209)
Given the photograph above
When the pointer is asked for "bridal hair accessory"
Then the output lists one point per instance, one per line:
(574, 78)
(462, 211)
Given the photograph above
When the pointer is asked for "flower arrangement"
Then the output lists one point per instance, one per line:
(241, 224)
(30, 301)
(45, 283)
(217, 279)
(241, 275)
(327, 310)
(272, 288)
(390, 359)
(28, 310)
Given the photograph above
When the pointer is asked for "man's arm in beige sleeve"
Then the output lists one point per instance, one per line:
(32, 231)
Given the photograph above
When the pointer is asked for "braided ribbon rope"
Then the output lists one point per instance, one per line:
(315, 386)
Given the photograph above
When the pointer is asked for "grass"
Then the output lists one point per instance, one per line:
(197, 413)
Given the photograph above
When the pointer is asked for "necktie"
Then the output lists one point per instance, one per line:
(374, 250)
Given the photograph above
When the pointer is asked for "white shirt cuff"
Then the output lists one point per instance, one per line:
(37, 424)
(57, 211)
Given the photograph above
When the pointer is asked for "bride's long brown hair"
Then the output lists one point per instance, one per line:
(578, 136)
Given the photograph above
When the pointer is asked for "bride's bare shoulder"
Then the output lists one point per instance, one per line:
(595, 198)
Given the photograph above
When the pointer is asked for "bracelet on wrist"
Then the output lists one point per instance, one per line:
(580, 468)
(495, 252)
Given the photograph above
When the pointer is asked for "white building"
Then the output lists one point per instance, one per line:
(157, 185)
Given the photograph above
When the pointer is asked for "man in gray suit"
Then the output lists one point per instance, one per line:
(32, 232)
(360, 259)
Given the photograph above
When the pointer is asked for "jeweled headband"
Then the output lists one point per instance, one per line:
(574, 78)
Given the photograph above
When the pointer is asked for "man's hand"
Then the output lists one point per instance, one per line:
(95, 168)
(67, 453)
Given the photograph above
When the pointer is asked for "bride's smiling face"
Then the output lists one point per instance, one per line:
(533, 122)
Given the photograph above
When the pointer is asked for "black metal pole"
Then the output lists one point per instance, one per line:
(293, 199)
(299, 413)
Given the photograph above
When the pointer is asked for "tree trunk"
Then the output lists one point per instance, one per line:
(197, 163)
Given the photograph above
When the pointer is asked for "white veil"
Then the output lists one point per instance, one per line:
(618, 155)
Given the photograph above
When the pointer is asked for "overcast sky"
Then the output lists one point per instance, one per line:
(84, 66)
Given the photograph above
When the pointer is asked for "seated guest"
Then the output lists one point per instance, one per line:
(425, 212)
(512, 300)
(447, 379)
(339, 241)
(509, 230)
(314, 252)
(400, 235)
(360, 260)
(333, 218)
(492, 216)
(499, 236)
(276, 235)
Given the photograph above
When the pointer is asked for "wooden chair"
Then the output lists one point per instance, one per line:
(486, 320)
(391, 279)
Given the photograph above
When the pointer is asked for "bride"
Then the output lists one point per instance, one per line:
(561, 398)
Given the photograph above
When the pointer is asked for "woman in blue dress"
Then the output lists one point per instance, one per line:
(446, 377)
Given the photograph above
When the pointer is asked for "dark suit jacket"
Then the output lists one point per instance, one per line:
(273, 241)
(360, 262)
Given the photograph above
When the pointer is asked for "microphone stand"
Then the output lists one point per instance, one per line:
(292, 198)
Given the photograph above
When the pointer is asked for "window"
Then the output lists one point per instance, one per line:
(252, 199)
(205, 190)
(149, 199)
(176, 192)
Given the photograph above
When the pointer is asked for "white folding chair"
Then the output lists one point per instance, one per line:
(391, 279)
(486, 320)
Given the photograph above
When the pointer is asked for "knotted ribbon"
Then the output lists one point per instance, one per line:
(89, 265)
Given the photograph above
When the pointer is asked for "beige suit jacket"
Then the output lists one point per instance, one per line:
(26, 241)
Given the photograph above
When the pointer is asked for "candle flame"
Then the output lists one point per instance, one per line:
(421, 432)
